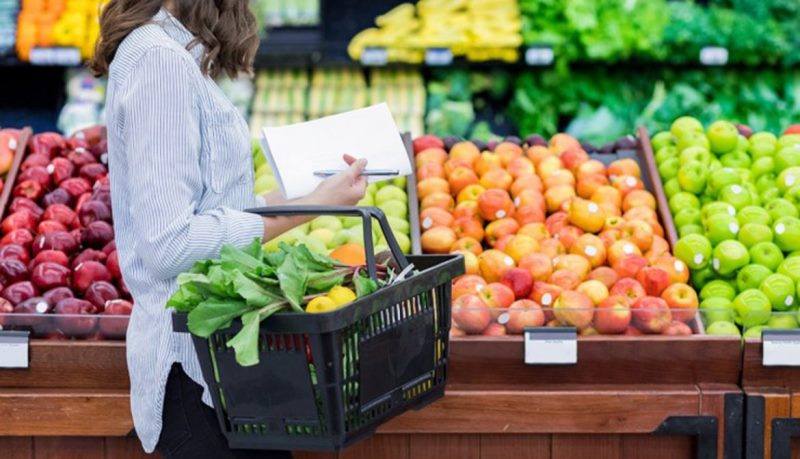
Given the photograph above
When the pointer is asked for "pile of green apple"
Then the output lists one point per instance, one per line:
(735, 202)
(326, 233)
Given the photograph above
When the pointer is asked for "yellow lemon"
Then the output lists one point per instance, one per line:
(320, 304)
(342, 295)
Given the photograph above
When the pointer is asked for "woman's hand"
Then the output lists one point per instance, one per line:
(344, 189)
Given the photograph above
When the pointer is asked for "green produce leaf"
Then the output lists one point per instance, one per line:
(239, 258)
(185, 299)
(221, 282)
(322, 282)
(364, 285)
(212, 315)
(245, 343)
(274, 259)
(293, 282)
(253, 293)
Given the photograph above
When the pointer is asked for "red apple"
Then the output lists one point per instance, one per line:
(519, 281)
(613, 315)
(677, 328)
(682, 300)
(651, 314)
(630, 265)
(522, 314)
(629, 288)
(654, 280)
(497, 295)
(471, 314)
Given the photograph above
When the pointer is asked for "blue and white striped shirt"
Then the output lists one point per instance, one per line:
(181, 172)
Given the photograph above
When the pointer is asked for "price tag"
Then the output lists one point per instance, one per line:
(539, 56)
(14, 349)
(438, 56)
(551, 346)
(714, 55)
(55, 56)
(374, 56)
(781, 348)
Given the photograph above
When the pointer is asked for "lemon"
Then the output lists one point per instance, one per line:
(320, 304)
(342, 295)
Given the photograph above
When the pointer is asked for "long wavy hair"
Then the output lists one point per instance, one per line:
(226, 28)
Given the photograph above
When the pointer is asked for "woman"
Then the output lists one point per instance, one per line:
(181, 172)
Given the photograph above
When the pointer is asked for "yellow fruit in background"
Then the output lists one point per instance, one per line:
(320, 304)
(341, 295)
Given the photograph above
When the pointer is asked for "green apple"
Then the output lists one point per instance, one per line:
(661, 140)
(722, 137)
(692, 177)
(265, 184)
(381, 184)
(788, 140)
(722, 178)
(691, 228)
(788, 178)
(790, 267)
(762, 166)
(404, 242)
(754, 332)
(751, 276)
(794, 254)
(761, 149)
(717, 309)
(701, 277)
(390, 193)
(688, 216)
(715, 164)
(324, 235)
(754, 214)
(693, 139)
(736, 159)
(787, 233)
(778, 208)
(706, 198)
(717, 208)
(770, 194)
(315, 245)
(786, 158)
(729, 257)
(763, 137)
(718, 288)
(395, 208)
(780, 289)
(685, 125)
(735, 195)
(723, 328)
(694, 250)
(290, 237)
(683, 200)
(326, 221)
(399, 225)
(379, 248)
(754, 196)
(752, 307)
(669, 168)
(745, 174)
(349, 222)
(766, 181)
(672, 187)
(263, 169)
(372, 188)
(751, 234)
(400, 182)
(743, 144)
(721, 227)
(342, 237)
(782, 321)
(766, 254)
(665, 153)
(692, 154)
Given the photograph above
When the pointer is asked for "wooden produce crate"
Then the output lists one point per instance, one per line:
(627, 396)
(772, 406)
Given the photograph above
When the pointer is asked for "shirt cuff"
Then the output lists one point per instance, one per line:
(243, 227)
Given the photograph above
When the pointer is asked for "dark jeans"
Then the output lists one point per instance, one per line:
(191, 429)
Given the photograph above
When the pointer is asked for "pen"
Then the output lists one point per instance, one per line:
(367, 172)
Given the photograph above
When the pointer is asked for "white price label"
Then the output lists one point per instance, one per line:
(374, 56)
(714, 55)
(55, 56)
(551, 346)
(438, 56)
(781, 348)
(539, 56)
(14, 349)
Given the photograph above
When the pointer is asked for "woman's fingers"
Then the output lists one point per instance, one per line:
(356, 169)
(349, 159)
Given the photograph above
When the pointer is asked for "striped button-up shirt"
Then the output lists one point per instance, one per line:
(181, 172)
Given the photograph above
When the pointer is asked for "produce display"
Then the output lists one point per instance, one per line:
(480, 30)
(286, 13)
(735, 198)
(86, 97)
(550, 236)
(58, 23)
(58, 260)
(253, 284)
(8, 25)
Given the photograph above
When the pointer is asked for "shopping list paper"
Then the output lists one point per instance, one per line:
(296, 151)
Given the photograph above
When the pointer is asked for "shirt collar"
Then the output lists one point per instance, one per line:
(178, 32)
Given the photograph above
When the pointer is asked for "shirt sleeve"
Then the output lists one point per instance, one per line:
(163, 149)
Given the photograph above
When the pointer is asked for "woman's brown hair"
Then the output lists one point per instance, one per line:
(226, 28)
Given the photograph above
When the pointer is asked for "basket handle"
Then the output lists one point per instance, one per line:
(366, 214)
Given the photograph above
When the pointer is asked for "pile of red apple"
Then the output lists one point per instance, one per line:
(550, 237)
(58, 259)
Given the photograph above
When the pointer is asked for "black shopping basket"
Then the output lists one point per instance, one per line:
(327, 381)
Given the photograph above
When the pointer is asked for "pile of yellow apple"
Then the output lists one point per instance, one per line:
(550, 237)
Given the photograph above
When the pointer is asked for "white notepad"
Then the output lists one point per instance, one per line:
(296, 151)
